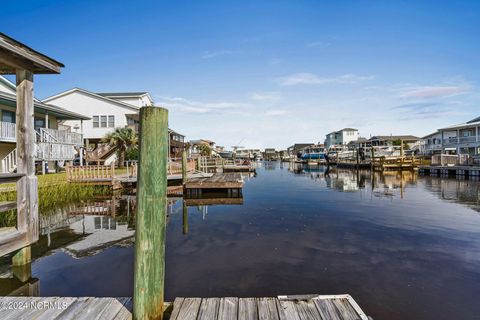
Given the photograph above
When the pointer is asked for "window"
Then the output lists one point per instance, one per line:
(39, 123)
(8, 116)
(103, 121)
(111, 121)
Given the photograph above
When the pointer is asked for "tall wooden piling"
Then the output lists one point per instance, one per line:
(151, 216)
(372, 160)
(184, 167)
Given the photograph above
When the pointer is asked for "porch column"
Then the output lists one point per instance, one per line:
(81, 147)
(27, 186)
(46, 120)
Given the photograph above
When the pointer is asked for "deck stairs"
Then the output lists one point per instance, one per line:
(101, 153)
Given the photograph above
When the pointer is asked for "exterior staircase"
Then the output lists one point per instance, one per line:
(101, 153)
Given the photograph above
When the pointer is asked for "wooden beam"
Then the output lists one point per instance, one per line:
(22, 53)
(151, 214)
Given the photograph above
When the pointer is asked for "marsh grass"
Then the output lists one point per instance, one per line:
(54, 192)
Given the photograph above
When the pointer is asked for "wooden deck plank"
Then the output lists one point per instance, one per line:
(327, 309)
(287, 310)
(307, 310)
(75, 308)
(125, 313)
(267, 309)
(190, 308)
(345, 309)
(209, 309)
(177, 305)
(60, 304)
(228, 308)
(333, 307)
(247, 309)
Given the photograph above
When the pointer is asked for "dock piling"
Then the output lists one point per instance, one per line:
(151, 216)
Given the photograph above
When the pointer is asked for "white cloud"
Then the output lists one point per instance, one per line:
(213, 54)
(198, 107)
(310, 78)
(276, 112)
(265, 96)
(427, 92)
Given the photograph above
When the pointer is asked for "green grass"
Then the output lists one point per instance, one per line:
(54, 192)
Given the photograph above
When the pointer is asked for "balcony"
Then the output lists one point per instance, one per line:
(7, 131)
(453, 141)
(8, 134)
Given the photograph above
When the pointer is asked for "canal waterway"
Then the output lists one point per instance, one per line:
(404, 246)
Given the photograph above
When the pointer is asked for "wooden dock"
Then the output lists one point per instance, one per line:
(226, 181)
(308, 307)
(313, 307)
(20, 308)
(454, 171)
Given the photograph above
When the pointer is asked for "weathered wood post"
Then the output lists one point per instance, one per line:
(358, 158)
(184, 167)
(401, 154)
(151, 216)
(373, 157)
(27, 186)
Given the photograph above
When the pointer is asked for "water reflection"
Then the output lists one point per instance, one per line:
(396, 241)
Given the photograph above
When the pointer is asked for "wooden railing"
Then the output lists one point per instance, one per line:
(54, 151)
(61, 136)
(205, 164)
(90, 173)
(100, 152)
(175, 167)
(451, 160)
(7, 131)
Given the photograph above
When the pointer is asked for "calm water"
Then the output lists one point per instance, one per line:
(405, 247)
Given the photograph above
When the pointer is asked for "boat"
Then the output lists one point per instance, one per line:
(313, 154)
(226, 154)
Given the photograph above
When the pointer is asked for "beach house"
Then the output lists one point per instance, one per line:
(108, 110)
(57, 143)
(341, 137)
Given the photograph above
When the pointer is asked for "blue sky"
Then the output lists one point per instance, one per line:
(267, 73)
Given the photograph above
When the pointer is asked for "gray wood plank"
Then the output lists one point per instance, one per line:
(190, 308)
(228, 308)
(75, 308)
(209, 309)
(247, 309)
(345, 309)
(57, 306)
(267, 309)
(287, 308)
(327, 309)
(125, 313)
(307, 310)
(177, 305)
(15, 308)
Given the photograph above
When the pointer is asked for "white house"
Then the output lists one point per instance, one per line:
(341, 137)
(106, 110)
(463, 138)
(55, 142)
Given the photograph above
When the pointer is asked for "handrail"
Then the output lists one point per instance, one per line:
(90, 173)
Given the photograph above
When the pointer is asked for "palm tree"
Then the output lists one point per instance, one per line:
(122, 139)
